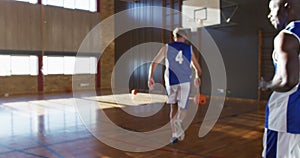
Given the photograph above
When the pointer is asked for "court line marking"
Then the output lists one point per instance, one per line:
(49, 149)
(20, 150)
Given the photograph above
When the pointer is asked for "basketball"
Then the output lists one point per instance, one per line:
(200, 99)
(134, 92)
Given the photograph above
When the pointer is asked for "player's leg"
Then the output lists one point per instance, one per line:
(173, 111)
(179, 123)
(183, 95)
(172, 99)
(181, 113)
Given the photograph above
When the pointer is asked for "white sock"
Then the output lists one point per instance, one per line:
(174, 135)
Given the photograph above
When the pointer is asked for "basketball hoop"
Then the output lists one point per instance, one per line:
(200, 22)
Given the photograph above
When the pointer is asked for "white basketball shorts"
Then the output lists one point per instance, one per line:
(280, 144)
(179, 94)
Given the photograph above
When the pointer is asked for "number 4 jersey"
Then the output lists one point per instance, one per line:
(178, 63)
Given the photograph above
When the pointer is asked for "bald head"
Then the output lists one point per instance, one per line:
(283, 12)
(292, 1)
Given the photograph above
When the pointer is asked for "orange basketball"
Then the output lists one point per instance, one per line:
(200, 99)
(134, 92)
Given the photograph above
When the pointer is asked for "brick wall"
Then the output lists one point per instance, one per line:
(18, 85)
(108, 56)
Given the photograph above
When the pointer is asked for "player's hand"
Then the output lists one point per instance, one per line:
(197, 82)
(151, 83)
(262, 84)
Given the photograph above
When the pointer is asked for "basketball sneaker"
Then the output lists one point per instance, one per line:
(174, 140)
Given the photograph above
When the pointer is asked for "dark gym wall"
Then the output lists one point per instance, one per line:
(237, 43)
(239, 47)
(134, 40)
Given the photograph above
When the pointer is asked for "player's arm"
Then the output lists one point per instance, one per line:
(198, 70)
(286, 47)
(157, 59)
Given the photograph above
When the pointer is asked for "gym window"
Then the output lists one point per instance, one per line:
(30, 1)
(88, 5)
(18, 65)
(68, 65)
(28, 65)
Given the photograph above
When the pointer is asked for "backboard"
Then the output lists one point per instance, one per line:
(201, 12)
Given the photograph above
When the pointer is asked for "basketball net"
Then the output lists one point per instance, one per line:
(199, 24)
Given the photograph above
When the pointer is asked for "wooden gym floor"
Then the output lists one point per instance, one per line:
(50, 126)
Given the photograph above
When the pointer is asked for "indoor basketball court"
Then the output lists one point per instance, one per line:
(74, 78)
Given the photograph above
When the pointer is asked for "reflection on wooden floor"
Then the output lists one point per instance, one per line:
(52, 127)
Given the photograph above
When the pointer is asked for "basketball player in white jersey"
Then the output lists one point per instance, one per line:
(179, 58)
(282, 125)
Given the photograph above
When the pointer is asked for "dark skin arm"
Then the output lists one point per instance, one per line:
(286, 49)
